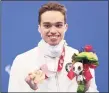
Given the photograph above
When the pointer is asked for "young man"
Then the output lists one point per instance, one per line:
(43, 68)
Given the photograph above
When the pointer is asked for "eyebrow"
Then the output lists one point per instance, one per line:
(52, 23)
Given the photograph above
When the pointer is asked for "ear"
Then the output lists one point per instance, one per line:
(39, 29)
(66, 27)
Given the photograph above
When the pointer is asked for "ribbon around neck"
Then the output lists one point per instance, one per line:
(44, 67)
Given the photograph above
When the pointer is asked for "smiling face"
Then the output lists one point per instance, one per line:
(52, 27)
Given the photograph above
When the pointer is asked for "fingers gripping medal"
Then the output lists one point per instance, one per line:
(39, 76)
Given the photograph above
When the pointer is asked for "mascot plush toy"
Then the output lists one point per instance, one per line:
(82, 62)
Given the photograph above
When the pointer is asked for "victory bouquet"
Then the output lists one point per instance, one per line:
(82, 62)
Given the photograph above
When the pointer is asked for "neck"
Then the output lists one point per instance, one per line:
(50, 50)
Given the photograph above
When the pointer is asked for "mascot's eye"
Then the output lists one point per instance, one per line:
(73, 68)
(79, 68)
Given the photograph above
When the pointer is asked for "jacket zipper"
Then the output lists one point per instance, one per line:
(57, 83)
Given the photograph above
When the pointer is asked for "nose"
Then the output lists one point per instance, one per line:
(53, 30)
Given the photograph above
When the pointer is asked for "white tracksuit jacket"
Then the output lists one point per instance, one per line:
(58, 82)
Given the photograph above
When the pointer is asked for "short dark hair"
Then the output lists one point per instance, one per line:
(52, 6)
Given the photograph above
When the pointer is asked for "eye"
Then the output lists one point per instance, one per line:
(58, 25)
(73, 68)
(47, 25)
(79, 68)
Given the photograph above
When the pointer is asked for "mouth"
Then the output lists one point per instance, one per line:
(53, 38)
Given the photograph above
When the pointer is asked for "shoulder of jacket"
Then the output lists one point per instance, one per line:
(25, 59)
(27, 55)
(29, 52)
(71, 50)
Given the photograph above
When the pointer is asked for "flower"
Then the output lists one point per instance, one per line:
(86, 57)
(88, 48)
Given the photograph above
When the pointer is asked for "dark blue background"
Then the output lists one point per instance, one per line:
(88, 24)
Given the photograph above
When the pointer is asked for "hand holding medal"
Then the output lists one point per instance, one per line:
(34, 78)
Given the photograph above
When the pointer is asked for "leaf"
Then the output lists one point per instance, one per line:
(81, 88)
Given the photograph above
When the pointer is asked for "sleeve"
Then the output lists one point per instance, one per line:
(16, 82)
(92, 83)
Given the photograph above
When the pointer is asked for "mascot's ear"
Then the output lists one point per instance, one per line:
(73, 57)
